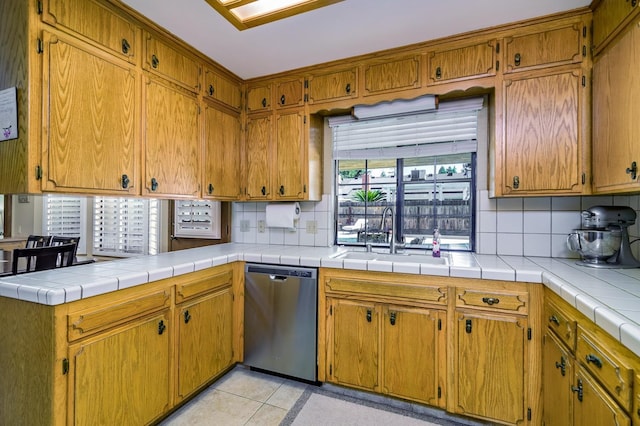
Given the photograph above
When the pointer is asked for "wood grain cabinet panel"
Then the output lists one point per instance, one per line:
(557, 371)
(172, 140)
(616, 90)
(559, 46)
(592, 405)
(258, 98)
(171, 63)
(222, 89)
(461, 63)
(392, 74)
(96, 22)
(222, 154)
(259, 157)
(543, 150)
(122, 377)
(333, 86)
(91, 138)
(291, 155)
(290, 93)
(609, 18)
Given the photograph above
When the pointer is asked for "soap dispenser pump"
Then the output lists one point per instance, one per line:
(436, 243)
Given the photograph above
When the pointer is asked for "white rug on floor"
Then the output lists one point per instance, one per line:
(322, 410)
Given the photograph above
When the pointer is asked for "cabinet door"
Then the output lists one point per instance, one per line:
(90, 119)
(259, 98)
(205, 340)
(616, 89)
(392, 74)
(122, 377)
(557, 377)
(489, 367)
(291, 154)
(462, 63)
(542, 147)
(221, 154)
(171, 63)
(352, 348)
(96, 22)
(222, 89)
(552, 47)
(412, 344)
(259, 158)
(290, 93)
(333, 86)
(592, 405)
(608, 18)
(172, 142)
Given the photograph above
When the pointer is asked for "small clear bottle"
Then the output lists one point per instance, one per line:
(436, 243)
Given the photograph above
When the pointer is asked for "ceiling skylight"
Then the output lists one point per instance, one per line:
(245, 14)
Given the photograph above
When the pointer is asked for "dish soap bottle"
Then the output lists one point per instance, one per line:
(436, 243)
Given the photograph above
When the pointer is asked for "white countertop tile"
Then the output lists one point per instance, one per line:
(379, 265)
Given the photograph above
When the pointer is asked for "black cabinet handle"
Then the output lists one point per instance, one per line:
(578, 389)
(516, 182)
(368, 315)
(125, 46)
(562, 365)
(517, 59)
(633, 170)
(211, 90)
(467, 326)
(125, 181)
(264, 102)
(154, 184)
(210, 189)
(187, 316)
(282, 100)
(263, 190)
(392, 318)
(161, 327)
(554, 320)
(281, 189)
(155, 61)
(594, 360)
(438, 73)
(348, 88)
(491, 300)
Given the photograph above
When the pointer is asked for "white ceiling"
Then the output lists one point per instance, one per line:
(341, 30)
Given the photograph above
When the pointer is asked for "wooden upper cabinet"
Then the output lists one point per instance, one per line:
(172, 63)
(392, 74)
(172, 147)
(290, 93)
(95, 22)
(90, 121)
(542, 151)
(555, 46)
(461, 63)
(616, 134)
(222, 89)
(258, 157)
(609, 18)
(221, 154)
(333, 86)
(259, 98)
(291, 156)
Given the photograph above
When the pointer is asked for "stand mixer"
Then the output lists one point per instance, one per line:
(603, 240)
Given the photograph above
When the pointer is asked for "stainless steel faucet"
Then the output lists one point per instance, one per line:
(392, 244)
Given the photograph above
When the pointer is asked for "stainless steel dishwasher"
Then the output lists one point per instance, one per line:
(280, 319)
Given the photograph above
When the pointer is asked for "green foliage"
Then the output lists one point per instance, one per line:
(351, 174)
(368, 196)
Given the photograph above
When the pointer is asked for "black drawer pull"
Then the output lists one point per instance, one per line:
(491, 300)
(594, 360)
(554, 320)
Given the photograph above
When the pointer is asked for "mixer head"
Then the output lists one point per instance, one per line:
(601, 217)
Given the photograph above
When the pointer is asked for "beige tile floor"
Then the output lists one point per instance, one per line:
(242, 397)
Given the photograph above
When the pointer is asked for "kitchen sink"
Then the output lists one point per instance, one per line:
(400, 257)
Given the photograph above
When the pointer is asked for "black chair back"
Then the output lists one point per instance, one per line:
(37, 241)
(42, 258)
(56, 240)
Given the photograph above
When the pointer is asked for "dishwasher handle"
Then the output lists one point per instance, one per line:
(280, 278)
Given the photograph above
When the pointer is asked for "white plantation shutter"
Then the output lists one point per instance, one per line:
(65, 216)
(125, 226)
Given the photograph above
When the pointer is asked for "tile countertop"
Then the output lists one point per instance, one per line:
(611, 298)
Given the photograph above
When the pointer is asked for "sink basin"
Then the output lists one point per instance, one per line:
(400, 257)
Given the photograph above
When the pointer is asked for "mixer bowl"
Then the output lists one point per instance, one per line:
(595, 245)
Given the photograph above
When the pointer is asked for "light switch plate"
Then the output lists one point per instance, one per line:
(261, 226)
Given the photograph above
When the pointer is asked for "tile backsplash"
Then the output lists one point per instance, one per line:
(504, 226)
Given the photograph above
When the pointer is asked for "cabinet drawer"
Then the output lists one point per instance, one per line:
(222, 89)
(90, 321)
(495, 301)
(290, 93)
(552, 47)
(364, 287)
(201, 282)
(259, 98)
(96, 22)
(333, 86)
(562, 324)
(608, 19)
(392, 75)
(171, 63)
(609, 369)
(462, 63)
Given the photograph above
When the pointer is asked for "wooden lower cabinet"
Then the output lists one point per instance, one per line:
(205, 340)
(557, 378)
(592, 405)
(122, 376)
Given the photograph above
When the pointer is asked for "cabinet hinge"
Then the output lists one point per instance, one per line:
(306, 98)
(584, 178)
(39, 7)
(584, 31)
(331, 310)
(38, 172)
(40, 46)
(306, 84)
(497, 65)
(305, 119)
(65, 366)
(330, 370)
(584, 50)
(439, 324)
(529, 333)
(304, 189)
(529, 414)
(497, 47)
(584, 81)
(439, 392)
